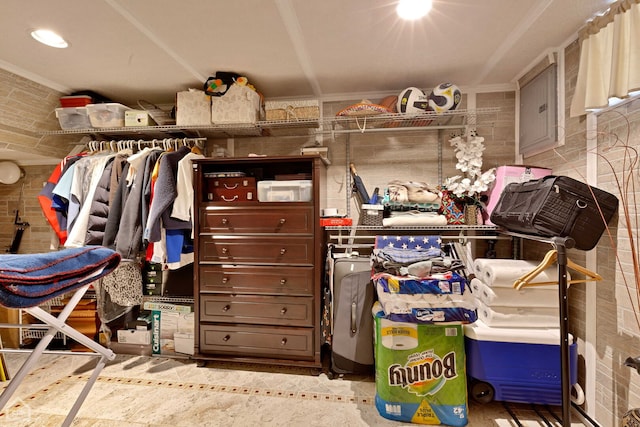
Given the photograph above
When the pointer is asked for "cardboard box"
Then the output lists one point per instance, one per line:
(193, 108)
(134, 336)
(166, 323)
(137, 118)
(184, 342)
(240, 104)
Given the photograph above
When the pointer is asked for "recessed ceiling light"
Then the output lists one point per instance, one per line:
(413, 9)
(49, 38)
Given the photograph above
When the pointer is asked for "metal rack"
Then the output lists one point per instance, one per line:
(391, 122)
(561, 244)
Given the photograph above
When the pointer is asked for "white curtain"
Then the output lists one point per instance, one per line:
(609, 57)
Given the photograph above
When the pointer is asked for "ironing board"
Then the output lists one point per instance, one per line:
(28, 280)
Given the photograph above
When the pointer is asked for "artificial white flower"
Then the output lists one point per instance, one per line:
(469, 157)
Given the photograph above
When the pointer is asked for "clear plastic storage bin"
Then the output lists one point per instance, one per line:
(110, 115)
(73, 118)
(284, 191)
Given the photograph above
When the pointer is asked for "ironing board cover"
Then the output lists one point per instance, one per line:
(28, 280)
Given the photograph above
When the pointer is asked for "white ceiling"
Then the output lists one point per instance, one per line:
(150, 49)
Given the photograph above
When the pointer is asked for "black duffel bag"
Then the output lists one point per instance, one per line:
(556, 206)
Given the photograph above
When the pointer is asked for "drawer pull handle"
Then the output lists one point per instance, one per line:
(283, 251)
(282, 221)
(283, 281)
(225, 279)
(283, 311)
(229, 200)
(225, 250)
(225, 221)
(226, 338)
(283, 342)
(226, 307)
(231, 187)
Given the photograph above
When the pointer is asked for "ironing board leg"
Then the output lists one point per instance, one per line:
(58, 324)
(26, 367)
(85, 391)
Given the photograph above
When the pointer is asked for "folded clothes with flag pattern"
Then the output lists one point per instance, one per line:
(28, 280)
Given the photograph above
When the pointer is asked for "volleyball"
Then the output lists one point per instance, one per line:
(412, 100)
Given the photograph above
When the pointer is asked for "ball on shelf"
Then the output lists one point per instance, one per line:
(412, 100)
(445, 97)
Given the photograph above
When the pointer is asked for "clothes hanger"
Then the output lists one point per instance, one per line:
(550, 258)
(195, 149)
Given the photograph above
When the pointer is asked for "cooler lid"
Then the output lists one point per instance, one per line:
(480, 331)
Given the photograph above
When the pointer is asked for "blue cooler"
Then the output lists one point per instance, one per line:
(516, 364)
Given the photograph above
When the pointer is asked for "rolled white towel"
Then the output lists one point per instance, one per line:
(542, 296)
(518, 317)
(504, 272)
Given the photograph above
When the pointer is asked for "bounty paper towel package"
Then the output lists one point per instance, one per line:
(420, 372)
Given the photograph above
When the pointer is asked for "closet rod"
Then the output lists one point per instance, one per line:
(447, 237)
(152, 141)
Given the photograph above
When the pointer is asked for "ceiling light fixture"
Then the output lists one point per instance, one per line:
(49, 38)
(413, 9)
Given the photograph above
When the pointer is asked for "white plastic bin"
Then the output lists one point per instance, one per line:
(73, 118)
(110, 115)
(284, 191)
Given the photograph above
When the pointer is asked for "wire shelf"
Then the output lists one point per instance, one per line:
(383, 122)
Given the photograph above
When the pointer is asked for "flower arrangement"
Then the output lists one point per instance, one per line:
(469, 155)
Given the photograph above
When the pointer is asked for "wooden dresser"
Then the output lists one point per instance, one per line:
(259, 264)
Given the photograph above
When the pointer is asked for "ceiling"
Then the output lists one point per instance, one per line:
(328, 49)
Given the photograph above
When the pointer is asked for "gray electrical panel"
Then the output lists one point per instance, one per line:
(538, 112)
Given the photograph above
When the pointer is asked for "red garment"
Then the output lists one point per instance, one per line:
(45, 198)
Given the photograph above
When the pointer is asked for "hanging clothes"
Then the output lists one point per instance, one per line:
(129, 235)
(183, 205)
(99, 208)
(179, 245)
(84, 195)
(116, 206)
(57, 219)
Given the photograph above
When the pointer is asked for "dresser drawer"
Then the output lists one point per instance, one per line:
(279, 342)
(246, 279)
(256, 249)
(298, 220)
(262, 309)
